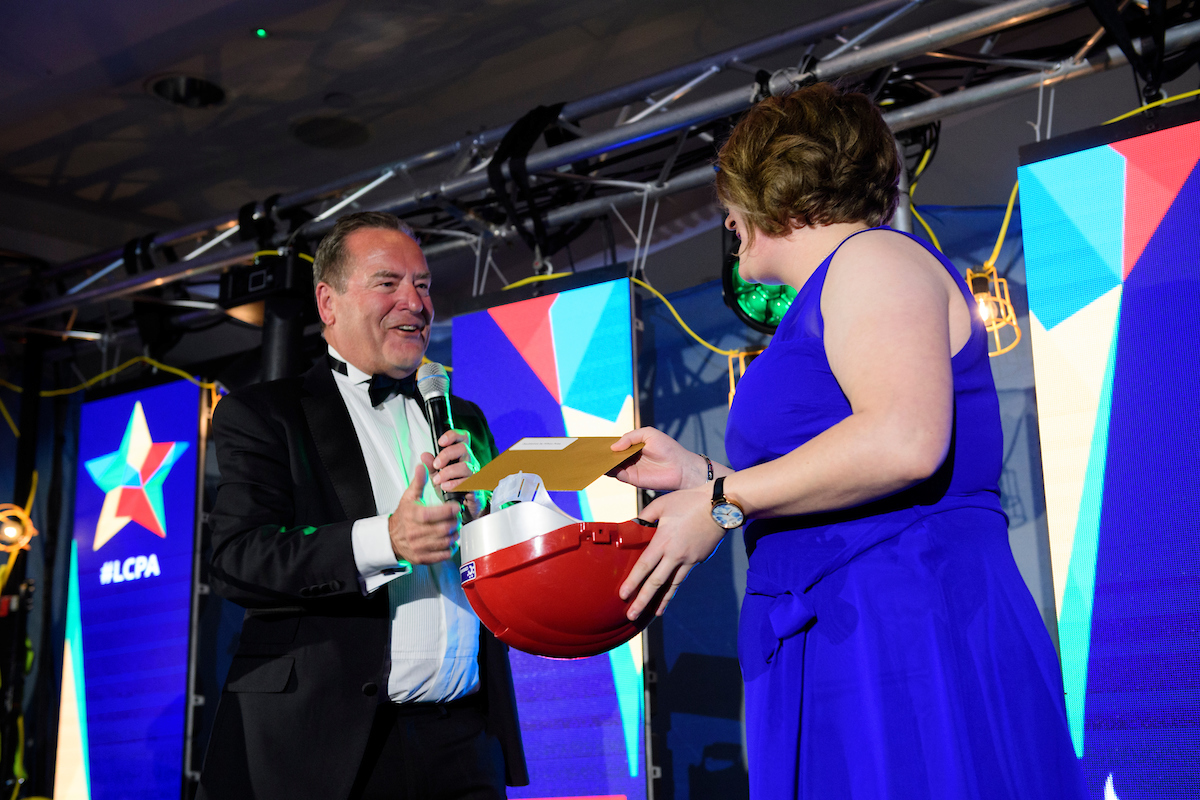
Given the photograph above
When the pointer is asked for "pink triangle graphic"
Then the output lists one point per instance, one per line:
(1156, 167)
(527, 326)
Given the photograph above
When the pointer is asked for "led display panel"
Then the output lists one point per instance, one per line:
(125, 661)
(1111, 221)
(561, 364)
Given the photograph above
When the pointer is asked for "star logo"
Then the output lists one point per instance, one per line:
(132, 479)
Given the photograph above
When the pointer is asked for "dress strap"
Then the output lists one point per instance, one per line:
(959, 280)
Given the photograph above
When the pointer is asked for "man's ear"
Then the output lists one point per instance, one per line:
(325, 294)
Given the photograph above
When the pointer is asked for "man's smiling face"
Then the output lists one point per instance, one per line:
(380, 323)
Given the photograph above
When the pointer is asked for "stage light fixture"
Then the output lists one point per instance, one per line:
(737, 368)
(16, 529)
(758, 305)
(995, 308)
(272, 274)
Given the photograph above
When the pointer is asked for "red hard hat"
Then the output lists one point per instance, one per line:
(551, 589)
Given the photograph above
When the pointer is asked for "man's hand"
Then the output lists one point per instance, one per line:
(453, 465)
(422, 534)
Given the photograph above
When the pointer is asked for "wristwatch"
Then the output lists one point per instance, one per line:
(725, 512)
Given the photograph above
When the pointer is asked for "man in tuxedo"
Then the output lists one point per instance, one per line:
(361, 672)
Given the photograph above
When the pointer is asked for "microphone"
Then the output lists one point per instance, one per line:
(434, 385)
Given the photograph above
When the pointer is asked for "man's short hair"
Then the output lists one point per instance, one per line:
(816, 156)
(329, 264)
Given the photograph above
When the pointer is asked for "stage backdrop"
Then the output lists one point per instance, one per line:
(1112, 242)
(561, 364)
(125, 661)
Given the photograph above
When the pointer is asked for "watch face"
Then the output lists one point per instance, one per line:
(728, 516)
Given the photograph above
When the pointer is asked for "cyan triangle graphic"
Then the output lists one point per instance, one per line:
(153, 486)
(74, 642)
(1064, 271)
(111, 470)
(1089, 188)
(573, 318)
(1075, 617)
(627, 680)
(598, 386)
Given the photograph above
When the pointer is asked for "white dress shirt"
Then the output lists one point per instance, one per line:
(434, 632)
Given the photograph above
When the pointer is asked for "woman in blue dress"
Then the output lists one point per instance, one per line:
(888, 644)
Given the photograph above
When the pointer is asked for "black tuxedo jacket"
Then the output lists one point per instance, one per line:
(311, 664)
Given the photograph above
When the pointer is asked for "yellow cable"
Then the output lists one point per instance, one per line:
(19, 771)
(1012, 199)
(6, 569)
(1155, 104)
(644, 285)
(131, 362)
(924, 162)
(679, 319)
(535, 279)
(932, 236)
(912, 187)
(32, 491)
(10, 386)
(258, 253)
(8, 418)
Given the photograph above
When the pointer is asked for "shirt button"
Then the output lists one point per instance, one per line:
(369, 689)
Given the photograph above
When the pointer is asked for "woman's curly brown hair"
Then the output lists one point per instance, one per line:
(817, 156)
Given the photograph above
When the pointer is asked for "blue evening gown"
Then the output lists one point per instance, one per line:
(891, 651)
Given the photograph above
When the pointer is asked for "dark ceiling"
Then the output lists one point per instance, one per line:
(91, 157)
(80, 130)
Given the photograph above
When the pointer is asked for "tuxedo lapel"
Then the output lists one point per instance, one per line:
(337, 443)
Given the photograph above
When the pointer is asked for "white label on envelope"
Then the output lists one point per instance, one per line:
(543, 443)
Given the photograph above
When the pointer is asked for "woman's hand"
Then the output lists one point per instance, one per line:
(686, 536)
(662, 464)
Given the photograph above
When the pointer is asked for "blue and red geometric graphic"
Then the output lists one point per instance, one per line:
(562, 365)
(1112, 252)
(131, 478)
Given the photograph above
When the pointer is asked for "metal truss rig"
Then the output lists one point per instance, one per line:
(592, 165)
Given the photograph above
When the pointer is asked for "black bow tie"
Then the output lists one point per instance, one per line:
(384, 387)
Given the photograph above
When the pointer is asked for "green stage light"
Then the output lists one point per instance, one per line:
(261, 33)
(758, 305)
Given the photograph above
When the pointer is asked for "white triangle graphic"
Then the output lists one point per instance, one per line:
(1069, 364)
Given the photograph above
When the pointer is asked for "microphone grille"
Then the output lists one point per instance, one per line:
(432, 381)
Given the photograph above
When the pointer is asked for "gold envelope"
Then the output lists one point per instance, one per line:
(565, 464)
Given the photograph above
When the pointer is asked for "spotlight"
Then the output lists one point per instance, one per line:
(759, 306)
(995, 308)
(16, 529)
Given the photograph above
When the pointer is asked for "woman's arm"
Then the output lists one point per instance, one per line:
(886, 304)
